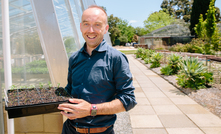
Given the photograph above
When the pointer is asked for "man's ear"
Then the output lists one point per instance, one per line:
(106, 28)
(80, 26)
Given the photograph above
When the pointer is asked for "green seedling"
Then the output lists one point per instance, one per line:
(41, 85)
(13, 87)
(58, 85)
(49, 85)
(31, 86)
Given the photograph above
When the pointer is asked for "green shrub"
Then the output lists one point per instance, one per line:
(179, 47)
(34, 67)
(166, 70)
(193, 74)
(156, 60)
(174, 62)
(139, 52)
(147, 60)
(148, 55)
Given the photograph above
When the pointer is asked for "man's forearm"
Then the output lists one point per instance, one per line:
(108, 108)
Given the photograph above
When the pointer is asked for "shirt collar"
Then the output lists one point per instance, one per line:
(100, 48)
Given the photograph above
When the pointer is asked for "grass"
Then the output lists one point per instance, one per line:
(128, 51)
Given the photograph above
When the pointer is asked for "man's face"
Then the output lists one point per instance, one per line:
(93, 26)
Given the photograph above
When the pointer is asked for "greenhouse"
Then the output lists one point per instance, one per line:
(36, 39)
(166, 36)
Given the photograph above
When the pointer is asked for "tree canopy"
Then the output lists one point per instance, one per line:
(181, 9)
(157, 20)
(199, 7)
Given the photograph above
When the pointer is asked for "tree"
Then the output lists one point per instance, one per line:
(200, 28)
(210, 25)
(199, 7)
(123, 39)
(218, 17)
(167, 6)
(140, 31)
(113, 29)
(28, 43)
(181, 9)
(126, 30)
(210, 20)
(157, 20)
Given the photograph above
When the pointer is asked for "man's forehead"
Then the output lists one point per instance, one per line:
(93, 14)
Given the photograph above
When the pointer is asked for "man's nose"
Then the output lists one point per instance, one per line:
(91, 29)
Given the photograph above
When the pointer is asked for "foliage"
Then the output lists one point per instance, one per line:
(210, 20)
(157, 20)
(35, 67)
(193, 74)
(123, 39)
(121, 30)
(178, 8)
(178, 47)
(172, 65)
(27, 43)
(174, 62)
(156, 58)
(126, 31)
(70, 44)
(200, 28)
(217, 14)
(139, 52)
(199, 7)
(195, 46)
(147, 54)
(208, 31)
(216, 40)
(166, 70)
(113, 29)
(140, 31)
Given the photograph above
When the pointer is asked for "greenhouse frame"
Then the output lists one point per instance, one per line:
(36, 39)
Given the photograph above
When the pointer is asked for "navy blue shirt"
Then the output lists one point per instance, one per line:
(101, 77)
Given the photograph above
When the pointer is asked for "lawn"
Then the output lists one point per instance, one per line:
(128, 51)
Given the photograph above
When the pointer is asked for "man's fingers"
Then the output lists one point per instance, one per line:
(75, 100)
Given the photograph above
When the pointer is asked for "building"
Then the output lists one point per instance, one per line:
(166, 36)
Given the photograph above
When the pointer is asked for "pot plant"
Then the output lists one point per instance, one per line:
(27, 101)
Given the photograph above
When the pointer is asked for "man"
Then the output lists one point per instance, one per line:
(99, 78)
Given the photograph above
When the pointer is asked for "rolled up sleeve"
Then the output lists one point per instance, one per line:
(124, 83)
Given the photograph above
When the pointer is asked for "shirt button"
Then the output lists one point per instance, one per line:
(89, 58)
(82, 83)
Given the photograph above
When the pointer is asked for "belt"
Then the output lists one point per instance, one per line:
(91, 130)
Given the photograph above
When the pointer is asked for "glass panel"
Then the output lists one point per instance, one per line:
(77, 13)
(28, 62)
(65, 26)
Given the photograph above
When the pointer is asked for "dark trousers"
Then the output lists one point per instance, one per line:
(69, 129)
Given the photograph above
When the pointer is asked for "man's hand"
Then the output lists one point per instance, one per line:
(80, 109)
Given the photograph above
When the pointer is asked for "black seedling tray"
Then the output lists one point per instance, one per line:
(35, 101)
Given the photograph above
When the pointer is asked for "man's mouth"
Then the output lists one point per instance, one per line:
(91, 37)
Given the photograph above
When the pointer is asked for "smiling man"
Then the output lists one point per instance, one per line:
(99, 78)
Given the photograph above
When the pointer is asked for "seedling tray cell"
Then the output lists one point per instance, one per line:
(35, 101)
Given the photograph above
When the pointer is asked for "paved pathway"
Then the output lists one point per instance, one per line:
(163, 109)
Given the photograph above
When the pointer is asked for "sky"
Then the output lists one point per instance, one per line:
(134, 11)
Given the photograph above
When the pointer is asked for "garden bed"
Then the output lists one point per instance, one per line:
(209, 98)
(34, 101)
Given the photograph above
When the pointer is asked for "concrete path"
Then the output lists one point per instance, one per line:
(163, 109)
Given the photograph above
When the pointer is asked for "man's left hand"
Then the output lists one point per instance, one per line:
(79, 109)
